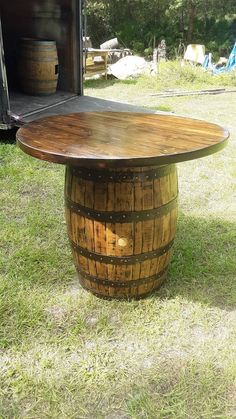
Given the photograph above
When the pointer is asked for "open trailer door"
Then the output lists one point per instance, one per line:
(26, 26)
(63, 21)
(5, 119)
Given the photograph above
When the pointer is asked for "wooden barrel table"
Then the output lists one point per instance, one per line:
(121, 190)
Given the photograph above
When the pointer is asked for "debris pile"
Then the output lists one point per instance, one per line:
(226, 65)
(195, 54)
(114, 50)
(119, 61)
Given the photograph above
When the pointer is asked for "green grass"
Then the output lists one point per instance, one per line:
(66, 354)
(171, 77)
(174, 76)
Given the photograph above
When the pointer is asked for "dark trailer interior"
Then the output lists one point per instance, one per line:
(58, 20)
(62, 22)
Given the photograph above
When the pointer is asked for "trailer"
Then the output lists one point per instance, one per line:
(62, 21)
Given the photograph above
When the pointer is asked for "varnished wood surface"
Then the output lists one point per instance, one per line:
(109, 139)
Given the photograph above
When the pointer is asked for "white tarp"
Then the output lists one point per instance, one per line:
(129, 67)
(195, 53)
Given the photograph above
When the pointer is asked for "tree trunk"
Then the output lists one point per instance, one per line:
(181, 21)
(191, 18)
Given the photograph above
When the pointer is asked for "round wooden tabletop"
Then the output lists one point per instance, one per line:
(115, 139)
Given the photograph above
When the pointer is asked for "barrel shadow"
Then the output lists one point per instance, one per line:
(8, 136)
(203, 264)
(102, 83)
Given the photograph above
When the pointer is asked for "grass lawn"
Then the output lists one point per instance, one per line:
(66, 354)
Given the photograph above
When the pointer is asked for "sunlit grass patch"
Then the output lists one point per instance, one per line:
(171, 75)
(185, 392)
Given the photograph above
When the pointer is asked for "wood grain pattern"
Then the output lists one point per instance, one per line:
(110, 139)
(97, 246)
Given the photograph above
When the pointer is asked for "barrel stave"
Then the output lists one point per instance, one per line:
(104, 243)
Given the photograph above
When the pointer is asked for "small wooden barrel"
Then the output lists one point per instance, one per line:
(121, 225)
(38, 67)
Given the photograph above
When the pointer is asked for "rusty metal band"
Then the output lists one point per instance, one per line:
(121, 260)
(125, 176)
(118, 216)
(120, 284)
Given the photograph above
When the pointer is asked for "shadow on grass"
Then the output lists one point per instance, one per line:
(203, 264)
(102, 83)
(8, 136)
(202, 267)
(38, 264)
(162, 108)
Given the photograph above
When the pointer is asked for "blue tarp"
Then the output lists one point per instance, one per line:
(206, 62)
(231, 63)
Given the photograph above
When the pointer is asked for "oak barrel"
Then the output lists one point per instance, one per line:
(38, 66)
(121, 226)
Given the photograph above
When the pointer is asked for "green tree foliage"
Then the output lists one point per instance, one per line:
(140, 23)
(194, 14)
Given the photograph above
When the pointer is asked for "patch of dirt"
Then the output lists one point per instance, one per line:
(74, 288)
(57, 314)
